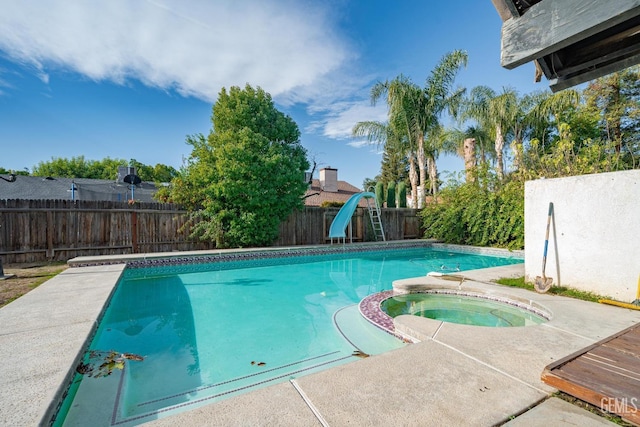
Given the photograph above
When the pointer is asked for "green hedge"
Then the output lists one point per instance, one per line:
(471, 215)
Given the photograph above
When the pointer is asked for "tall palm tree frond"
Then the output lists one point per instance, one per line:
(375, 132)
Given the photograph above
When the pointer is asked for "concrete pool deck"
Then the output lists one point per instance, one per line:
(456, 375)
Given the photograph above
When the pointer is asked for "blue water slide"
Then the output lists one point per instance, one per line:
(339, 225)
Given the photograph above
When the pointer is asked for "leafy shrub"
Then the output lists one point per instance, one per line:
(402, 195)
(470, 214)
(391, 195)
(380, 193)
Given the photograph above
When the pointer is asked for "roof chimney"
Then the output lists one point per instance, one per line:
(329, 180)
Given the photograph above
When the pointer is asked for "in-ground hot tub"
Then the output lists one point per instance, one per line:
(466, 308)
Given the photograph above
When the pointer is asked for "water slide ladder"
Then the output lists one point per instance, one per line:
(376, 222)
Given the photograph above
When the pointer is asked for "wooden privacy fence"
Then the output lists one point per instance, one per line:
(311, 226)
(58, 230)
(39, 230)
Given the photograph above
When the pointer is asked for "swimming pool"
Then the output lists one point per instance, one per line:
(185, 334)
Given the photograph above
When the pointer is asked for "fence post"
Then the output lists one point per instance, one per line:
(134, 231)
(50, 222)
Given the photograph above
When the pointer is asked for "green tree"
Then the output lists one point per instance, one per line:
(417, 111)
(391, 194)
(380, 193)
(164, 173)
(553, 109)
(79, 167)
(158, 173)
(190, 187)
(4, 171)
(393, 136)
(475, 108)
(616, 99)
(248, 175)
(402, 195)
(369, 184)
(439, 96)
(401, 94)
(394, 166)
(494, 113)
(107, 168)
(471, 145)
(550, 135)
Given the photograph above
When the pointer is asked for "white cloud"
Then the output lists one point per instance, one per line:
(291, 48)
(194, 47)
(359, 143)
(339, 119)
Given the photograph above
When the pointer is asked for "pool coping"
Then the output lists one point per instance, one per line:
(221, 255)
(50, 326)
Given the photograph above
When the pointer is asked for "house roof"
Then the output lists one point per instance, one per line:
(315, 196)
(47, 188)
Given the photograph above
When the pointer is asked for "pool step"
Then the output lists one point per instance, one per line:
(361, 334)
(205, 394)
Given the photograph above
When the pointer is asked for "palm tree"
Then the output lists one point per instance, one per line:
(390, 137)
(400, 122)
(440, 96)
(502, 110)
(416, 111)
(470, 144)
(497, 113)
(476, 108)
(523, 122)
(555, 107)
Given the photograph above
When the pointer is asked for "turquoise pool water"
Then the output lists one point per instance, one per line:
(176, 337)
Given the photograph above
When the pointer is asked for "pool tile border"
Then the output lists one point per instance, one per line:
(226, 255)
(518, 254)
(271, 254)
(370, 309)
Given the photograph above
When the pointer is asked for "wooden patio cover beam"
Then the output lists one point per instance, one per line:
(551, 25)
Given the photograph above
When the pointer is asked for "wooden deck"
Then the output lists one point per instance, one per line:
(605, 374)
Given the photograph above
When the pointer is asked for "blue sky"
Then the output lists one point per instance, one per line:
(131, 79)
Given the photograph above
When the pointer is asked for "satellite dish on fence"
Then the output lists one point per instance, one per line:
(132, 179)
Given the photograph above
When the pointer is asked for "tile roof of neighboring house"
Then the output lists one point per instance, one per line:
(345, 190)
(41, 188)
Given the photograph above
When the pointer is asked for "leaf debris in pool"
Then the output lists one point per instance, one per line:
(111, 360)
(359, 353)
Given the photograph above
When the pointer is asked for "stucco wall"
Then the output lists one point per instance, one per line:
(594, 239)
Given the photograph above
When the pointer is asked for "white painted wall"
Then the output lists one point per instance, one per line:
(594, 239)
